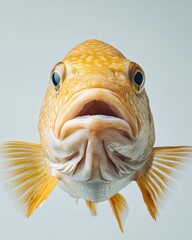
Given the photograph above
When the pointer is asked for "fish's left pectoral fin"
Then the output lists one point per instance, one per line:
(28, 173)
(92, 207)
(120, 209)
(156, 182)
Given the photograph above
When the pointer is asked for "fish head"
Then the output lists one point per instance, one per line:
(95, 125)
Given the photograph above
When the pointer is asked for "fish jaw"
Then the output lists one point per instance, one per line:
(94, 143)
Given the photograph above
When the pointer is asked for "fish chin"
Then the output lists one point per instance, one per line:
(95, 191)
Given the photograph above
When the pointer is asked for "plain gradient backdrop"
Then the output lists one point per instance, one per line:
(34, 35)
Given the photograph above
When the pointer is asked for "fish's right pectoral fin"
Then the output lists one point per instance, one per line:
(155, 183)
(28, 173)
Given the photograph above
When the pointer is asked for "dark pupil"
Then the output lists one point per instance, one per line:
(56, 78)
(138, 79)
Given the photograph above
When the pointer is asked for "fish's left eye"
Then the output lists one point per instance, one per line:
(137, 77)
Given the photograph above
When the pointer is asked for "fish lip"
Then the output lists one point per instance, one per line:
(76, 103)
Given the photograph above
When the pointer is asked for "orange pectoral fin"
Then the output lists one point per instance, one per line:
(154, 184)
(28, 173)
(120, 209)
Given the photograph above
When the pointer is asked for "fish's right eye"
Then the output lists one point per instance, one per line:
(57, 76)
(137, 77)
(56, 79)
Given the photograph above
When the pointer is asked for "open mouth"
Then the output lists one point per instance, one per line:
(96, 107)
(102, 107)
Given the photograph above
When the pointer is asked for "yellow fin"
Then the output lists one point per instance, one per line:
(120, 209)
(28, 172)
(92, 207)
(154, 184)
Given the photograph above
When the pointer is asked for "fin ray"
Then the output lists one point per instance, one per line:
(156, 182)
(120, 209)
(28, 173)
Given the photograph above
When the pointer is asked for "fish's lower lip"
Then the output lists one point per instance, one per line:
(95, 124)
(74, 106)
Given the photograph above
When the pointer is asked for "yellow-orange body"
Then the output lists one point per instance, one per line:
(96, 68)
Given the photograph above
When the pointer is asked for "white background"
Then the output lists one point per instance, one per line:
(34, 35)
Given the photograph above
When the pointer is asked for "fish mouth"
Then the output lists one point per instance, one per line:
(92, 104)
(95, 134)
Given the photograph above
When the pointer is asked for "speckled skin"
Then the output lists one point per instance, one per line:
(95, 64)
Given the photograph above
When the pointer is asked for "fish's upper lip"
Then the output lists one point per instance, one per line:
(76, 103)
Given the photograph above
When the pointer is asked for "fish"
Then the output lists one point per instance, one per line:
(97, 136)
